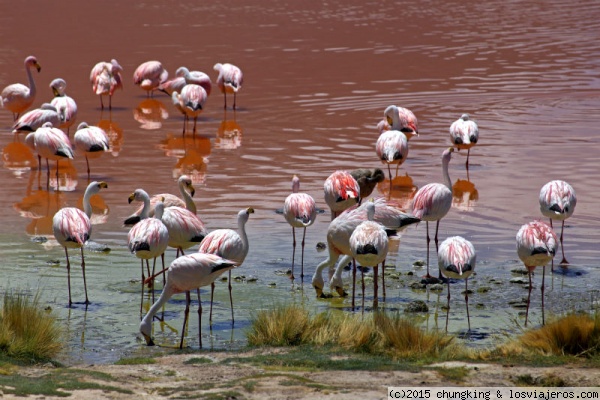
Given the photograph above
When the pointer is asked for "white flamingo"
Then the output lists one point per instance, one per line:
(17, 98)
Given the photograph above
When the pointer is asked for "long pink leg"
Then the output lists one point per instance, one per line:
(84, 282)
(185, 317)
(68, 275)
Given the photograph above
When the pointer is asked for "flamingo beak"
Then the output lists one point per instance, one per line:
(319, 291)
(149, 341)
(192, 190)
(131, 198)
(340, 291)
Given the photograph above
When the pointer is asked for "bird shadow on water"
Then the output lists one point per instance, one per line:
(569, 271)
(472, 335)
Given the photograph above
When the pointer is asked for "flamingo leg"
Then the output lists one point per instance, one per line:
(199, 318)
(68, 275)
(467, 162)
(467, 302)
(448, 306)
(552, 265)
(88, 166)
(397, 167)
(153, 268)
(234, 99)
(293, 251)
(353, 282)
(302, 257)
(362, 277)
(230, 298)
(375, 294)
(101, 103)
(212, 294)
(195, 119)
(542, 290)
(84, 282)
(428, 240)
(143, 279)
(162, 257)
(437, 227)
(185, 317)
(383, 277)
(528, 299)
(225, 97)
(564, 261)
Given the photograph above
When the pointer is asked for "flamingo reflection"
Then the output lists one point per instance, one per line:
(18, 157)
(191, 153)
(465, 195)
(402, 190)
(114, 132)
(150, 113)
(229, 135)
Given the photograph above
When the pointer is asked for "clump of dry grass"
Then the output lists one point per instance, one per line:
(574, 334)
(376, 333)
(26, 331)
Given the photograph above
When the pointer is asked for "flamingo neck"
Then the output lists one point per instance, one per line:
(242, 231)
(146, 324)
(32, 88)
(445, 165)
(87, 206)
(189, 202)
(146, 208)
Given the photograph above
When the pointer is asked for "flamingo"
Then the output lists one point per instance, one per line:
(186, 188)
(32, 120)
(400, 119)
(464, 134)
(106, 78)
(558, 201)
(536, 247)
(230, 80)
(91, 140)
(72, 228)
(300, 211)
(433, 201)
(230, 244)
(338, 238)
(368, 246)
(190, 102)
(52, 144)
(149, 76)
(184, 274)
(150, 237)
(341, 191)
(64, 103)
(184, 76)
(367, 180)
(392, 148)
(456, 259)
(17, 98)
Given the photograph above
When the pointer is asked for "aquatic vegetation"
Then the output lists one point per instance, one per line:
(27, 332)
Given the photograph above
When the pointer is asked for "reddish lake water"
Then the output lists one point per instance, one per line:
(317, 78)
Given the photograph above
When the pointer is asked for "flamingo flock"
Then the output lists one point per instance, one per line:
(360, 226)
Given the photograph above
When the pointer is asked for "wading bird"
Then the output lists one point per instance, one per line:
(149, 76)
(300, 211)
(52, 144)
(368, 247)
(149, 238)
(338, 239)
(433, 201)
(17, 98)
(341, 191)
(186, 188)
(72, 228)
(184, 274)
(230, 244)
(456, 260)
(392, 148)
(230, 80)
(558, 201)
(90, 140)
(32, 120)
(65, 104)
(106, 78)
(464, 134)
(536, 247)
(190, 102)
(399, 119)
(367, 180)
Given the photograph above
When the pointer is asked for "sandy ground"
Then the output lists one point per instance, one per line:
(171, 377)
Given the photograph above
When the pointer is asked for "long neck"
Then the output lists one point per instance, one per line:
(146, 324)
(242, 231)
(189, 202)
(32, 89)
(146, 208)
(87, 207)
(445, 163)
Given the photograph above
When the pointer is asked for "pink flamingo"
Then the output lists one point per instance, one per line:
(186, 188)
(90, 140)
(64, 103)
(72, 228)
(106, 78)
(149, 76)
(52, 144)
(367, 180)
(34, 119)
(149, 238)
(368, 246)
(341, 191)
(184, 76)
(230, 80)
(433, 201)
(464, 134)
(536, 247)
(185, 274)
(392, 148)
(300, 211)
(399, 119)
(230, 244)
(338, 239)
(456, 260)
(190, 102)
(558, 201)
(17, 98)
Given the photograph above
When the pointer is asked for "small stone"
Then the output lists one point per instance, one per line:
(252, 278)
(419, 263)
(418, 286)
(519, 271)
(416, 306)
(321, 246)
(272, 284)
(519, 280)
(483, 289)
(436, 287)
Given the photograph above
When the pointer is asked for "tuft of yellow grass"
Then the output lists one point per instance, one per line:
(279, 326)
(26, 330)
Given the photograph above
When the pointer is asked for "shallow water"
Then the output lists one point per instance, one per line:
(317, 80)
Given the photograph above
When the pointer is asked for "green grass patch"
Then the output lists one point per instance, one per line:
(454, 374)
(198, 360)
(136, 361)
